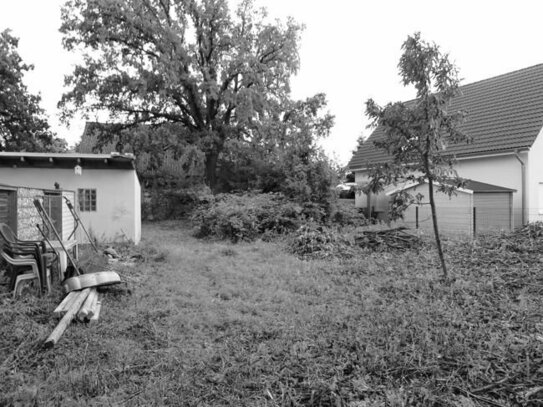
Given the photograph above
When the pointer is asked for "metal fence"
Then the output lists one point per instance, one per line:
(469, 221)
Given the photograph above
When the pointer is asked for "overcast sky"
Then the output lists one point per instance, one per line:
(349, 49)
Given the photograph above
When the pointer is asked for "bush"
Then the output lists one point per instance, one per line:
(347, 214)
(162, 204)
(246, 217)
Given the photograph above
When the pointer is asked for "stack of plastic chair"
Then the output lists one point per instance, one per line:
(20, 259)
(25, 254)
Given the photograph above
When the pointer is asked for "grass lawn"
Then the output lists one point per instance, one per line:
(202, 323)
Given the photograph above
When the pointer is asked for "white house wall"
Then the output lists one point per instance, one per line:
(535, 180)
(116, 197)
(503, 171)
(137, 208)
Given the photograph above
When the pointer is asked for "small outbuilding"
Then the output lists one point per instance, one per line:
(476, 208)
(104, 189)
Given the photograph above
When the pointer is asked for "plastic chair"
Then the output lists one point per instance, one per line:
(44, 258)
(9, 236)
(33, 274)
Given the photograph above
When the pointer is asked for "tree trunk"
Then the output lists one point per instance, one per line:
(212, 157)
(436, 229)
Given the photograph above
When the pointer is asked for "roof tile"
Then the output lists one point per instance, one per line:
(504, 113)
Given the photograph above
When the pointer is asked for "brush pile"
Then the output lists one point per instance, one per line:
(388, 239)
(522, 247)
(319, 242)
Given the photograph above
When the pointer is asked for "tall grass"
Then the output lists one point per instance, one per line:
(216, 324)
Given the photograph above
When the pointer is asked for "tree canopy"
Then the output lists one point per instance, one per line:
(193, 62)
(23, 125)
(417, 133)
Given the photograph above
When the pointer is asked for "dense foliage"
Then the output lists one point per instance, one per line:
(164, 158)
(23, 125)
(246, 217)
(194, 62)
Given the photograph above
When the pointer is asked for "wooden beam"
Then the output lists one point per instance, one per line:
(96, 312)
(86, 310)
(65, 304)
(67, 319)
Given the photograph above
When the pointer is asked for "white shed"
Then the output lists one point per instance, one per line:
(106, 186)
(476, 208)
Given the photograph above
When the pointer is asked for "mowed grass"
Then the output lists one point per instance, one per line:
(202, 323)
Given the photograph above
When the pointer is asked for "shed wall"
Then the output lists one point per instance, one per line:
(115, 217)
(454, 213)
(68, 222)
(493, 212)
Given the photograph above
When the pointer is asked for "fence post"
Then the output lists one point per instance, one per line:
(416, 217)
(474, 221)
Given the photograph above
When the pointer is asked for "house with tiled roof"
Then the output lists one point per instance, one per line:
(505, 121)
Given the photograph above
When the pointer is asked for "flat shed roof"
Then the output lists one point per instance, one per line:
(67, 160)
(470, 187)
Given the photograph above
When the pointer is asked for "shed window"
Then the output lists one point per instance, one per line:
(87, 200)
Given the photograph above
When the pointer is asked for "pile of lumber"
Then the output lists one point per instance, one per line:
(83, 305)
(396, 239)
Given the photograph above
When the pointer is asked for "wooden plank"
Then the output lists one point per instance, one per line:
(65, 304)
(66, 319)
(92, 309)
(85, 308)
(96, 313)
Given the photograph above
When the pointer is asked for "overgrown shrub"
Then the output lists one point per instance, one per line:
(245, 217)
(347, 214)
(162, 204)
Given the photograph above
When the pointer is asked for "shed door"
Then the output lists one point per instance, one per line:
(52, 203)
(492, 211)
(8, 208)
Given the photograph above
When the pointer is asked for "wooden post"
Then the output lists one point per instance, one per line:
(474, 221)
(66, 319)
(368, 205)
(66, 303)
(86, 309)
(416, 217)
(511, 226)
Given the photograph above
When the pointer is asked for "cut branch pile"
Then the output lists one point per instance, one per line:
(523, 247)
(389, 239)
(82, 305)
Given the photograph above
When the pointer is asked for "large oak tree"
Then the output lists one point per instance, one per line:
(23, 125)
(193, 62)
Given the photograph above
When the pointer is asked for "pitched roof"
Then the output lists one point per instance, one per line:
(505, 113)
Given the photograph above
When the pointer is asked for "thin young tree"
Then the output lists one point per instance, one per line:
(417, 133)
